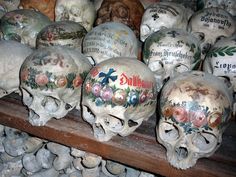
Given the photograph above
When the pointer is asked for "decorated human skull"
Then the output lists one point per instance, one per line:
(194, 110)
(116, 98)
(51, 80)
(169, 52)
(211, 24)
(109, 40)
(81, 11)
(63, 33)
(163, 15)
(123, 11)
(6, 6)
(23, 25)
(228, 5)
(10, 65)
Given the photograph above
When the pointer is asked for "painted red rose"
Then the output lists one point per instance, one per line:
(180, 114)
(214, 119)
(88, 87)
(77, 82)
(198, 118)
(94, 71)
(41, 79)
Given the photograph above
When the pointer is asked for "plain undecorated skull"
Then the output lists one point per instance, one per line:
(117, 98)
(51, 80)
(169, 52)
(163, 15)
(195, 108)
(23, 25)
(211, 24)
(62, 33)
(10, 65)
(109, 40)
(81, 11)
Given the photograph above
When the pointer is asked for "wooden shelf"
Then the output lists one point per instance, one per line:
(140, 150)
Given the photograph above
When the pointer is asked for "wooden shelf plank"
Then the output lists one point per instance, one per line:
(140, 149)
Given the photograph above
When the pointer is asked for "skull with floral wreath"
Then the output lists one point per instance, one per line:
(116, 98)
(51, 80)
(194, 109)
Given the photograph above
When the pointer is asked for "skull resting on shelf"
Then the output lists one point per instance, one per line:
(194, 110)
(51, 80)
(116, 98)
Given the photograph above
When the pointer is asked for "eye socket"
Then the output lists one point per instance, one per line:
(180, 68)
(204, 141)
(168, 132)
(88, 114)
(219, 38)
(27, 97)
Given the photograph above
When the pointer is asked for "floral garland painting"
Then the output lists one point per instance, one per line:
(104, 91)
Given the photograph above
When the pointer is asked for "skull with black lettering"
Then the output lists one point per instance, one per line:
(51, 80)
(116, 98)
(210, 25)
(195, 108)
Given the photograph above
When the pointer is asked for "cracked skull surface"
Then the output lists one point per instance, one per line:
(51, 80)
(194, 110)
(116, 98)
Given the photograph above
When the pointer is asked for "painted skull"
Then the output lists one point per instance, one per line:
(10, 63)
(63, 33)
(109, 40)
(228, 5)
(169, 52)
(123, 11)
(51, 80)
(81, 11)
(163, 15)
(211, 24)
(23, 25)
(116, 98)
(194, 109)
(6, 6)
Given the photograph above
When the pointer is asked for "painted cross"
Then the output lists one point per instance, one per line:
(107, 76)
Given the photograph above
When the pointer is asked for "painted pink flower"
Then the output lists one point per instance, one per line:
(24, 74)
(180, 114)
(96, 89)
(88, 87)
(77, 81)
(106, 93)
(41, 79)
(143, 96)
(214, 119)
(119, 97)
(197, 118)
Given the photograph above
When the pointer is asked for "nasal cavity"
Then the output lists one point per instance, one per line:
(181, 153)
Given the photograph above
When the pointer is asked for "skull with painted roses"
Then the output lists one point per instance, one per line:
(51, 80)
(116, 98)
(194, 109)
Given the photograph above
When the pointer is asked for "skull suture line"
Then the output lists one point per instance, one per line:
(169, 52)
(109, 40)
(116, 98)
(211, 24)
(194, 110)
(163, 15)
(81, 11)
(51, 80)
